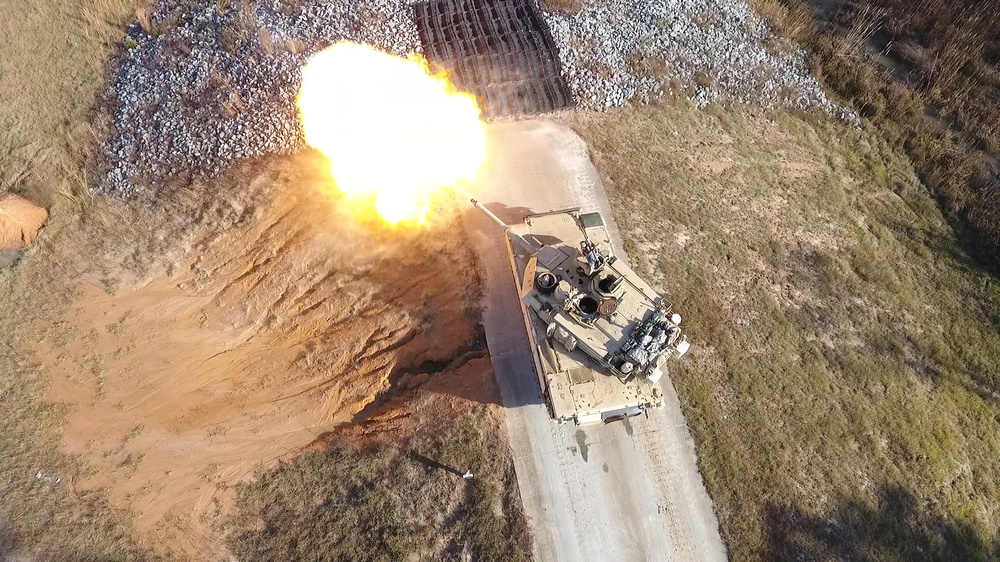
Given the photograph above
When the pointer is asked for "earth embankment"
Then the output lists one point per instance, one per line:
(270, 317)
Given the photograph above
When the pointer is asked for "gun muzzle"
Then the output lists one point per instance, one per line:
(490, 214)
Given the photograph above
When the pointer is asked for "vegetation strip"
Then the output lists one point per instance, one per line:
(927, 75)
(842, 385)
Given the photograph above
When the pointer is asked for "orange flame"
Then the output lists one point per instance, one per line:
(395, 134)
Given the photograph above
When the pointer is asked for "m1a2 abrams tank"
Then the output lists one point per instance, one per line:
(600, 335)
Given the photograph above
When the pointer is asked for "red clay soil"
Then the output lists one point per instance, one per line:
(255, 337)
(20, 220)
(426, 409)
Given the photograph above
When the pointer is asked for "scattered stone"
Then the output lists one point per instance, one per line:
(203, 85)
(624, 51)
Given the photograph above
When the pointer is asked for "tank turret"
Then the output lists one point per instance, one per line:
(603, 337)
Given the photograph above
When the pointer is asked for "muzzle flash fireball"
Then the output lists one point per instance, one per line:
(394, 133)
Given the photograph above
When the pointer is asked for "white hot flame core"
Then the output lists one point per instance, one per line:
(394, 133)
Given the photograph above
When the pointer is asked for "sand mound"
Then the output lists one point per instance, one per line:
(20, 220)
(265, 335)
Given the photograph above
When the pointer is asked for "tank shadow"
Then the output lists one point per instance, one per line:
(509, 346)
(898, 527)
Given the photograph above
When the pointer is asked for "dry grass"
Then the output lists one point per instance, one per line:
(844, 385)
(389, 502)
(928, 75)
(704, 79)
(52, 65)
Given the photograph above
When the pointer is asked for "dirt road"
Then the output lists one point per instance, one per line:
(627, 491)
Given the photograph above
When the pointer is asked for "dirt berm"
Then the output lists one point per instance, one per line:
(269, 315)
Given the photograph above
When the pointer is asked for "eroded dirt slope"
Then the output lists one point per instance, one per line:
(267, 318)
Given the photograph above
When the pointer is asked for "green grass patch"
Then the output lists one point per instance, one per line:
(842, 386)
(927, 75)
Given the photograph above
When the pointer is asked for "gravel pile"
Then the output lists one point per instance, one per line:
(632, 50)
(201, 88)
(197, 88)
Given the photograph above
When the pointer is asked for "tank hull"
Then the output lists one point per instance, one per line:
(578, 381)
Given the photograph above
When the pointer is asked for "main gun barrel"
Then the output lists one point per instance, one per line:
(514, 237)
(490, 214)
